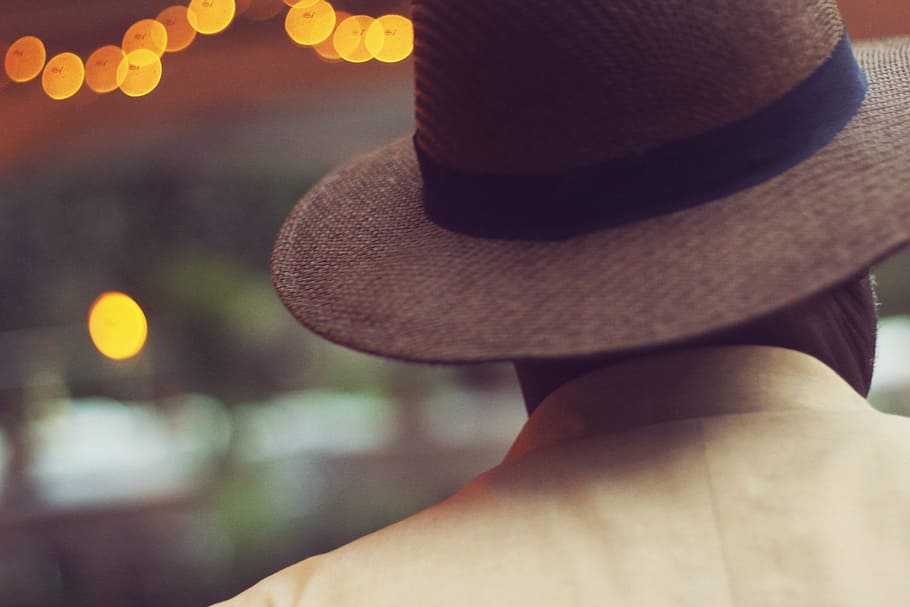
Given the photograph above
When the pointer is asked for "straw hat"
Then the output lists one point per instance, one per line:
(602, 176)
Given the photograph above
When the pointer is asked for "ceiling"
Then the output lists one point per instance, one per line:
(250, 67)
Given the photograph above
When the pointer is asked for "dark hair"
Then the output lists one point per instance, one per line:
(837, 326)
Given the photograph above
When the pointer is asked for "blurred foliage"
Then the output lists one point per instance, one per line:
(192, 249)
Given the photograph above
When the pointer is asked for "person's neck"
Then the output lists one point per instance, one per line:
(576, 400)
(539, 378)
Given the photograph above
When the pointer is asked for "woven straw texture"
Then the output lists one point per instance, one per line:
(524, 86)
(358, 262)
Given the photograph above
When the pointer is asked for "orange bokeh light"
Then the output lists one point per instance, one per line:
(139, 73)
(63, 76)
(25, 59)
(241, 6)
(148, 34)
(101, 68)
(180, 34)
(117, 326)
(309, 25)
(4, 79)
(263, 10)
(211, 16)
(349, 39)
(326, 48)
(390, 38)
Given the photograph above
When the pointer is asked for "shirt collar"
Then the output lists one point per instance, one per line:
(683, 384)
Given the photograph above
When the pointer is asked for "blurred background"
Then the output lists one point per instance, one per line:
(176, 445)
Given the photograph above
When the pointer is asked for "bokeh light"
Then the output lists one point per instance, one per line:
(139, 73)
(326, 48)
(241, 6)
(263, 10)
(4, 79)
(309, 25)
(117, 325)
(349, 39)
(333, 35)
(180, 34)
(63, 76)
(25, 59)
(211, 16)
(101, 68)
(147, 34)
(390, 38)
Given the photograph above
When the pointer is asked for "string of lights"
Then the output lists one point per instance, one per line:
(117, 325)
(135, 66)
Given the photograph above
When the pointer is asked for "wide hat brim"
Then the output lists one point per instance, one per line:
(358, 262)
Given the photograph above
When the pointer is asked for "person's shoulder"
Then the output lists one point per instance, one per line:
(298, 585)
(889, 424)
(889, 433)
(853, 461)
(370, 563)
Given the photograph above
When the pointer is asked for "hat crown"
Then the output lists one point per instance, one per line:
(509, 86)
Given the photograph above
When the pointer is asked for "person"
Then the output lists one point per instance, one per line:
(667, 215)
